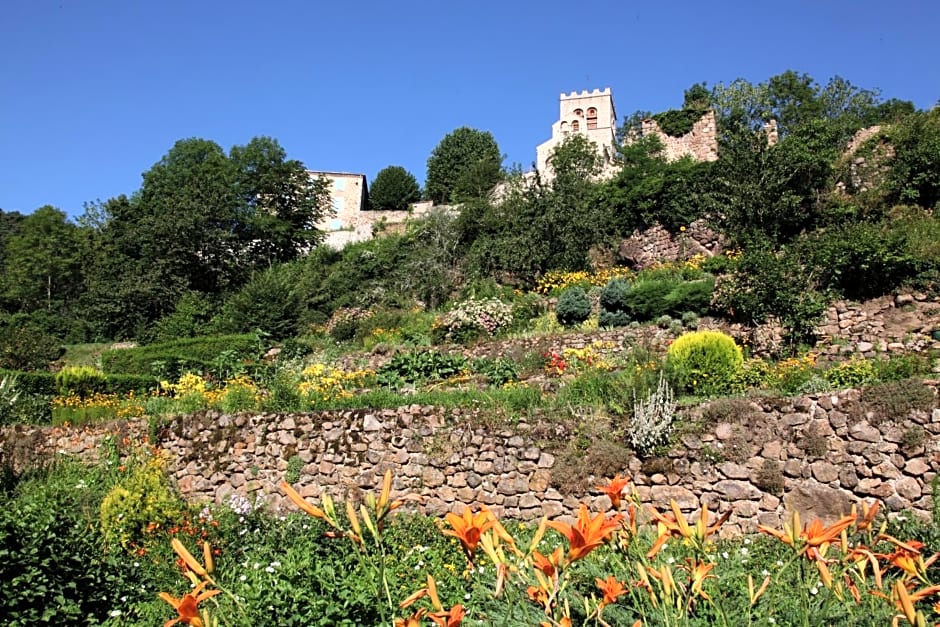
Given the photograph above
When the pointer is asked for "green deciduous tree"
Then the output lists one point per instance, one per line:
(466, 163)
(537, 225)
(394, 188)
(915, 168)
(279, 202)
(649, 190)
(42, 261)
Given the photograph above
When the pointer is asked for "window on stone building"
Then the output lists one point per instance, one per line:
(564, 128)
(575, 126)
(591, 118)
(579, 113)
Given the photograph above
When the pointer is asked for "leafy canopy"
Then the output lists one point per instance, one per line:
(394, 188)
(465, 164)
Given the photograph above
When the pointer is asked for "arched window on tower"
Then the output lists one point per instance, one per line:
(575, 126)
(564, 128)
(591, 118)
(579, 113)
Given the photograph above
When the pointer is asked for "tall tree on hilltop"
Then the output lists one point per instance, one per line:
(188, 219)
(394, 188)
(465, 164)
(279, 201)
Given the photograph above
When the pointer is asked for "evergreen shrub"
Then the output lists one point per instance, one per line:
(614, 301)
(648, 299)
(704, 362)
(574, 307)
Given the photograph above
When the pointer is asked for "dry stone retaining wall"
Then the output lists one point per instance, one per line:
(763, 457)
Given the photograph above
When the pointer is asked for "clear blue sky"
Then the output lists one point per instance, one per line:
(94, 92)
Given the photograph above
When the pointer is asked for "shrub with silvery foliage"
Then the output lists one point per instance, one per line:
(652, 418)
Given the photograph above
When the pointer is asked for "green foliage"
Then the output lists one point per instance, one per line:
(915, 169)
(854, 373)
(140, 501)
(52, 563)
(80, 381)
(765, 284)
(393, 188)
(895, 400)
(416, 366)
(899, 367)
(647, 299)
(498, 372)
(614, 304)
(690, 297)
(573, 307)
(611, 319)
(540, 226)
(704, 362)
(42, 261)
(198, 352)
(470, 319)
(648, 190)
(24, 345)
(678, 122)
(190, 318)
(880, 253)
(462, 165)
(268, 302)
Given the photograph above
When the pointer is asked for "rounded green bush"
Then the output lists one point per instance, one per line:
(574, 307)
(854, 373)
(80, 380)
(704, 362)
(614, 295)
(609, 319)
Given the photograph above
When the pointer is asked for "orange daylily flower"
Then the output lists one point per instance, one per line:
(191, 562)
(904, 602)
(753, 595)
(868, 515)
(615, 489)
(813, 535)
(548, 565)
(587, 533)
(411, 621)
(300, 502)
(698, 573)
(187, 606)
(450, 618)
(676, 525)
(469, 527)
(611, 589)
(908, 557)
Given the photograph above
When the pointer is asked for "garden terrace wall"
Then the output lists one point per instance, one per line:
(762, 457)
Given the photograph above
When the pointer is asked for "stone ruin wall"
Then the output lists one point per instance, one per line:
(764, 458)
(656, 244)
(701, 143)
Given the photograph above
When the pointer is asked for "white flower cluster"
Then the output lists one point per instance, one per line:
(240, 504)
(489, 315)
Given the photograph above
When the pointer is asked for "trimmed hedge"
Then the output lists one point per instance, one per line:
(196, 352)
(44, 383)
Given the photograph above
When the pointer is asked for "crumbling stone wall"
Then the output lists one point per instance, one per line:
(656, 244)
(701, 143)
